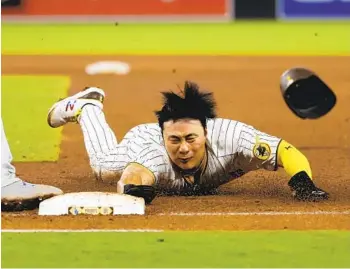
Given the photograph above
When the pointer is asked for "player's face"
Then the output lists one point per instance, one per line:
(185, 142)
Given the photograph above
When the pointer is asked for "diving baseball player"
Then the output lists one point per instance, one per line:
(189, 150)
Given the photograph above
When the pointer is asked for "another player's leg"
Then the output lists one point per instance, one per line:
(16, 194)
(85, 108)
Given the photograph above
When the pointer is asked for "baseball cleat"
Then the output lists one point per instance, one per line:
(22, 195)
(69, 109)
(304, 189)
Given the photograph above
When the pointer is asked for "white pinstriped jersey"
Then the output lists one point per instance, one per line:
(234, 148)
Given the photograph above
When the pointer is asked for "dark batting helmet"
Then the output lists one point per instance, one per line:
(306, 94)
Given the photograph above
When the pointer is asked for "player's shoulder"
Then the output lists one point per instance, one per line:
(220, 124)
(151, 126)
(147, 127)
(220, 130)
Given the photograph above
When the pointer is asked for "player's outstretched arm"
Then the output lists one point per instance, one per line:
(138, 181)
(298, 168)
(292, 160)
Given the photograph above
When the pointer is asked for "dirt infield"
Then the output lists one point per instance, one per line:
(246, 89)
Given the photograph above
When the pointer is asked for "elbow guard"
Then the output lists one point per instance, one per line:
(146, 192)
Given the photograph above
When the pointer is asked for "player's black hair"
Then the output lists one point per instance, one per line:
(193, 104)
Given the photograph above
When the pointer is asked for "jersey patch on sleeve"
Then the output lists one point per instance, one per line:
(261, 150)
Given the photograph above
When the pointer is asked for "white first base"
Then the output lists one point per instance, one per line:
(92, 203)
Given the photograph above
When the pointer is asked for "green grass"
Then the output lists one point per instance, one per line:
(252, 38)
(25, 103)
(178, 249)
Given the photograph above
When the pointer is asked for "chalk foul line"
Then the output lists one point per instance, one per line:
(262, 213)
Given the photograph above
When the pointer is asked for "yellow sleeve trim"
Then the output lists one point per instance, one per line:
(292, 160)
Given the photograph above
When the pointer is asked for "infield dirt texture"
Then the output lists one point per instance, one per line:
(246, 89)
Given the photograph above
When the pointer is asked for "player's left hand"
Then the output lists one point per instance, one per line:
(304, 188)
